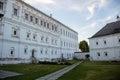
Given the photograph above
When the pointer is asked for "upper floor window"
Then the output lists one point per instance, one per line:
(41, 22)
(96, 43)
(44, 24)
(36, 20)
(118, 40)
(28, 35)
(15, 32)
(104, 42)
(15, 12)
(52, 27)
(26, 16)
(31, 18)
(1, 5)
(48, 25)
(42, 38)
(34, 36)
(55, 28)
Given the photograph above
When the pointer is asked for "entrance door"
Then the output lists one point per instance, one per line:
(33, 53)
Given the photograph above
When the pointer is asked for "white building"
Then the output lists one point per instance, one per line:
(105, 44)
(27, 34)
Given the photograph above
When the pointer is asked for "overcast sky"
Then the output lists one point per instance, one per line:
(84, 16)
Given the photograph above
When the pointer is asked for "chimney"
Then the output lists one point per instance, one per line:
(118, 18)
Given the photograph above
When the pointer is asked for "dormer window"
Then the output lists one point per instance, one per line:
(1, 5)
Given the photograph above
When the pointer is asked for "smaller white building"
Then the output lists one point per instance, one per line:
(81, 55)
(105, 44)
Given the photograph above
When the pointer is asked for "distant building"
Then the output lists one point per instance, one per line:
(105, 44)
(82, 55)
(27, 34)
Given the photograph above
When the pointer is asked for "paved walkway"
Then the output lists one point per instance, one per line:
(4, 74)
(57, 74)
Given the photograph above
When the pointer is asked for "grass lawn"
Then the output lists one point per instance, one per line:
(30, 71)
(94, 71)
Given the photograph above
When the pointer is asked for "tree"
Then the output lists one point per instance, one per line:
(83, 46)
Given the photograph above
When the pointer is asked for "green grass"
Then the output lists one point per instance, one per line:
(94, 71)
(30, 71)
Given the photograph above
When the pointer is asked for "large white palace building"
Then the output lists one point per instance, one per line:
(27, 34)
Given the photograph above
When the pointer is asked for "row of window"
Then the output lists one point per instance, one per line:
(105, 42)
(42, 51)
(67, 44)
(40, 22)
(34, 37)
(68, 34)
(35, 20)
(105, 54)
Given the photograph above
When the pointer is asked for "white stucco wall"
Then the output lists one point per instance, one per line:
(112, 47)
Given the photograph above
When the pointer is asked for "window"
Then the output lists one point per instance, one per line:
(44, 24)
(31, 18)
(42, 38)
(48, 25)
(46, 51)
(41, 22)
(1, 30)
(98, 54)
(1, 5)
(41, 51)
(105, 53)
(34, 37)
(15, 32)
(26, 16)
(36, 20)
(28, 35)
(119, 40)
(52, 27)
(25, 50)
(46, 39)
(104, 42)
(12, 50)
(15, 12)
(96, 43)
(55, 28)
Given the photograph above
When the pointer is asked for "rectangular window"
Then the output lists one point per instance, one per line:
(98, 54)
(55, 28)
(15, 12)
(105, 53)
(15, 32)
(119, 40)
(44, 24)
(26, 16)
(41, 22)
(36, 20)
(96, 43)
(52, 27)
(31, 18)
(25, 50)
(1, 5)
(104, 42)
(48, 25)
